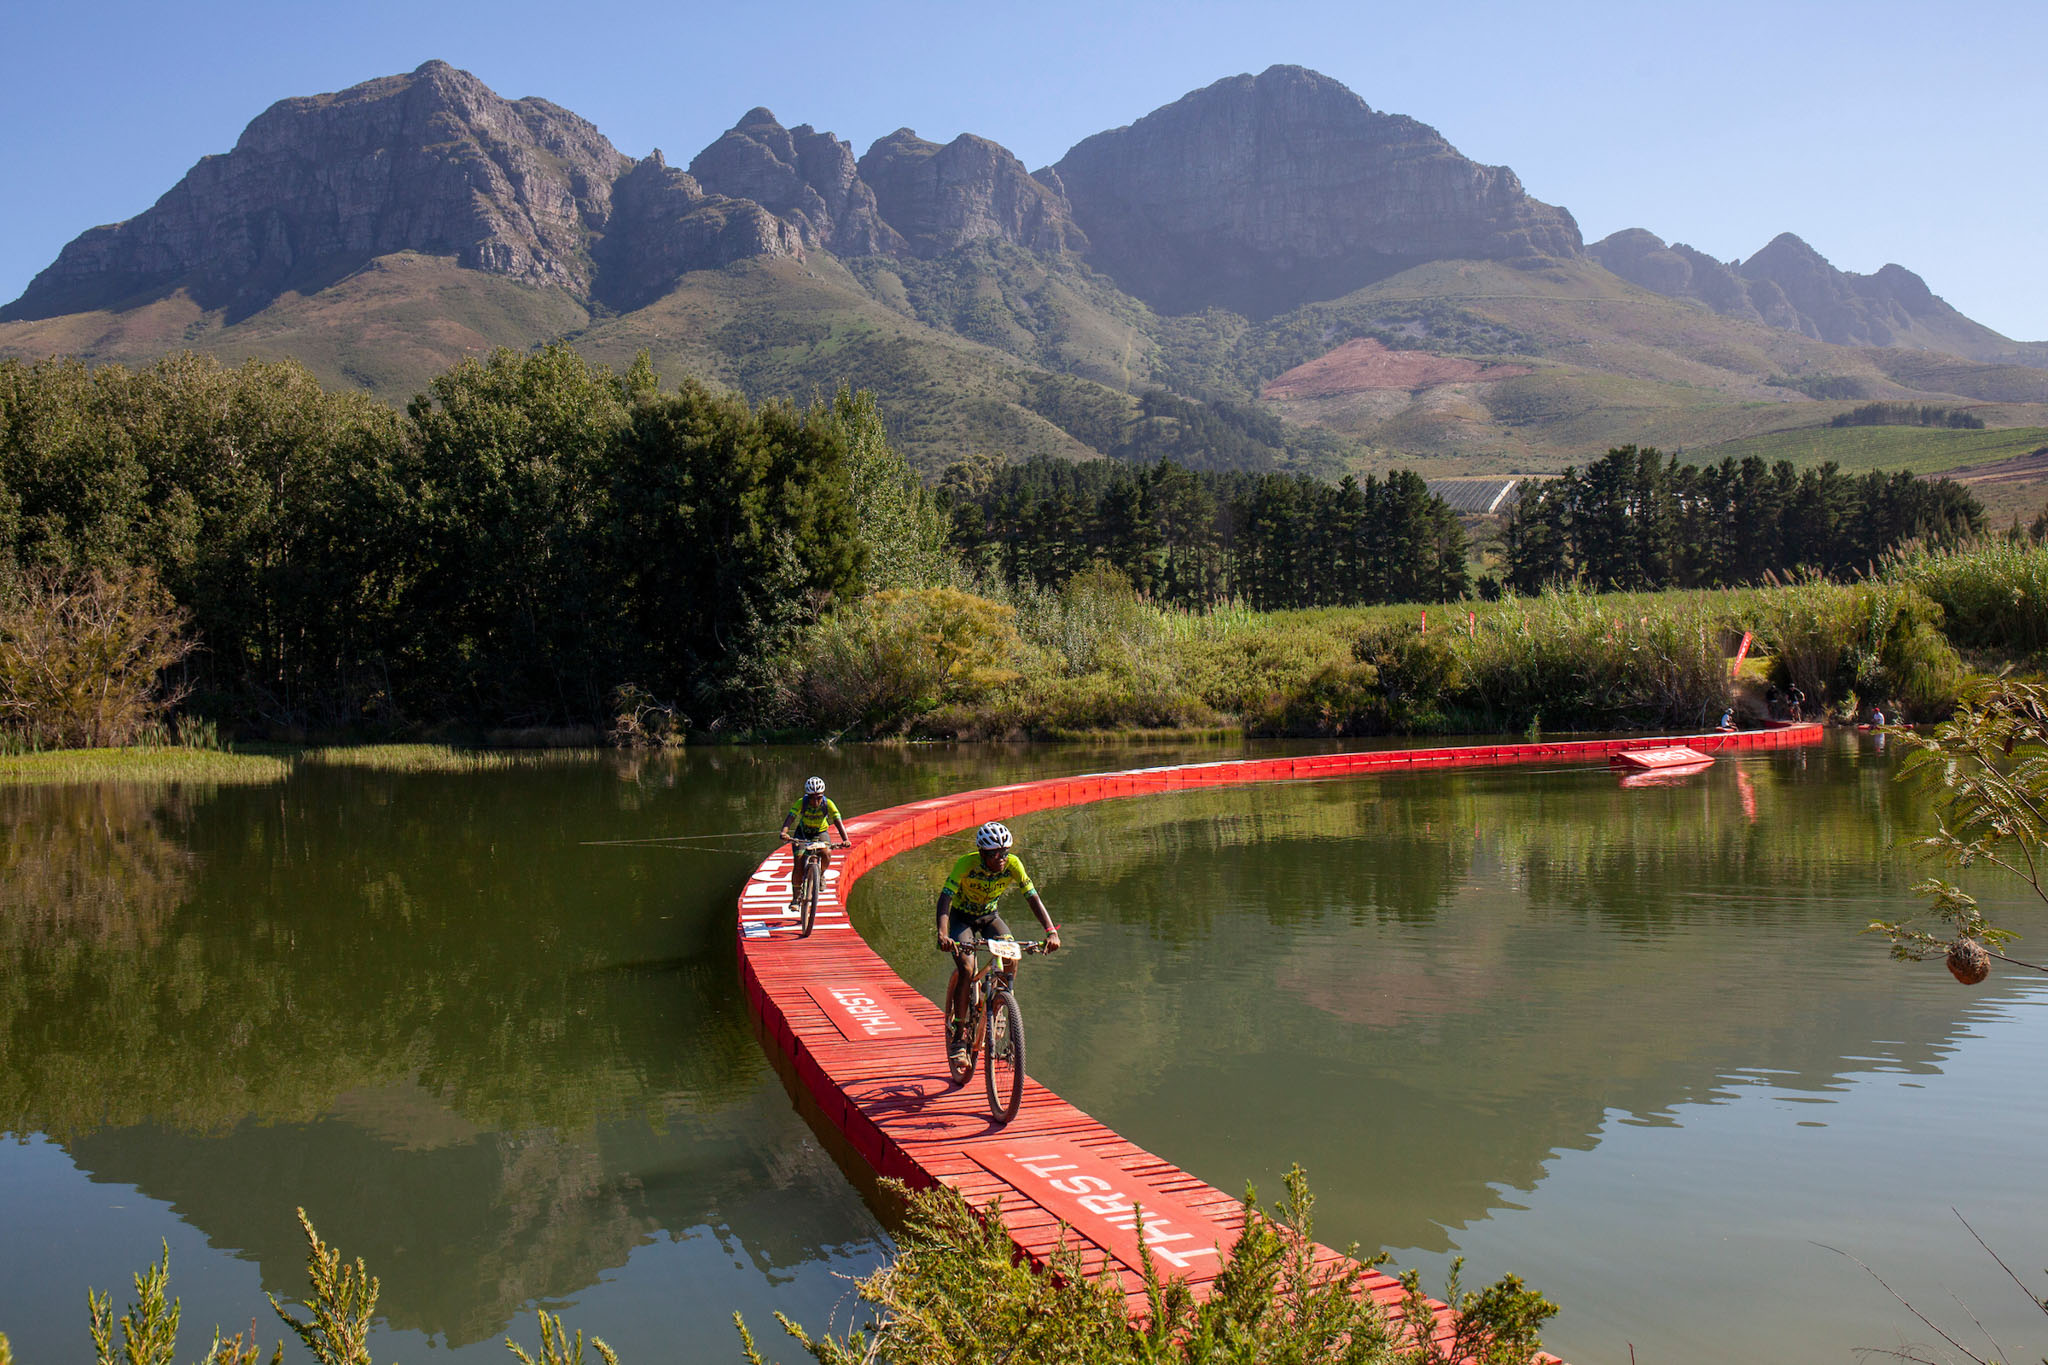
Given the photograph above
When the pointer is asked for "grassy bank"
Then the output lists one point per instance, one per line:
(157, 764)
(1094, 657)
(1096, 661)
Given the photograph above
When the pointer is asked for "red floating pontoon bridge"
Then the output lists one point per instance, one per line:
(867, 1047)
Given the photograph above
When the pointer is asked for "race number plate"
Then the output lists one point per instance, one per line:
(1007, 949)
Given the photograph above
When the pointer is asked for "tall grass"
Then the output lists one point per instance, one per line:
(1993, 595)
(434, 758)
(141, 765)
(1573, 658)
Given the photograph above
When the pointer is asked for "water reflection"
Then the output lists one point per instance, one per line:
(487, 1050)
(1427, 985)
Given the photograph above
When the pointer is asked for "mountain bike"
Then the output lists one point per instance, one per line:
(809, 879)
(995, 1025)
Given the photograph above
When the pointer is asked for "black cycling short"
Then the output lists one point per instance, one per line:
(960, 924)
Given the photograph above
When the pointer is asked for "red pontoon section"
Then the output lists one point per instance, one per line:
(1646, 760)
(867, 1047)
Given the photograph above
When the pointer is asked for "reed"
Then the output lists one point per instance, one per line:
(437, 758)
(142, 765)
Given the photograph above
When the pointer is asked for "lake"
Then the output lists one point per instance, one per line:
(1625, 1042)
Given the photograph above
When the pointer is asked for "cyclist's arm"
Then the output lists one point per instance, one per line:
(945, 910)
(787, 821)
(844, 837)
(1052, 931)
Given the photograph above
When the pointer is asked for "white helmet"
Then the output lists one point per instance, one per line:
(814, 786)
(992, 835)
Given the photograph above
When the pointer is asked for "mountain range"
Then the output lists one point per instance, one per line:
(1159, 284)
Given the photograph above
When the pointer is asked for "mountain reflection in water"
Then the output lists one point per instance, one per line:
(493, 1060)
(1429, 988)
(508, 1068)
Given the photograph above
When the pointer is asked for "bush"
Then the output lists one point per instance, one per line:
(957, 1293)
(1992, 594)
(83, 658)
(1880, 639)
(878, 664)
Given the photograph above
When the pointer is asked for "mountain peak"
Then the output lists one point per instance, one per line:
(432, 162)
(941, 197)
(1261, 192)
(804, 177)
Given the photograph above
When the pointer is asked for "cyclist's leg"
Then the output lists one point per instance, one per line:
(960, 1002)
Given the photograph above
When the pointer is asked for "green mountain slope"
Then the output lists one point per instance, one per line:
(996, 349)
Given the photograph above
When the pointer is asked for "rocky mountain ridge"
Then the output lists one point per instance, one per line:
(1256, 194)
(1259, 193)
(1790, 285)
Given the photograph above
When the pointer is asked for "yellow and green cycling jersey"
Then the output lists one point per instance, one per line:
(975, 889)
(808, 823)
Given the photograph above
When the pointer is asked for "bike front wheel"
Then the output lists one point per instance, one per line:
(807, 897)
(1003, 1068)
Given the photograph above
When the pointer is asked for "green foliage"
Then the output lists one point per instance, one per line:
(84, 658)
(149, 1329)
(1195, 538)
(1993, 594)
(1416, 672)
(1498, 1325)
(557, 1347)
(957, 1294)
(342, 1306)
(533, 532)
(1907, 415)
(875, 667)
(1580, 660)
(898, 519)
(1879, 639)
(1987, 768)
(1636, 520)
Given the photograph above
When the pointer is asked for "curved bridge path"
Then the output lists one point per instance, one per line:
(870, 1049)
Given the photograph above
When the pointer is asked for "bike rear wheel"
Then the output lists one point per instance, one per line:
(807, 896)
(1003, 1069)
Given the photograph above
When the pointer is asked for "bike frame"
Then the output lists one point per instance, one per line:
(809, 861)
(978, 973)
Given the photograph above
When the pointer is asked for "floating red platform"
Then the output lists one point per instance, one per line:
(1644, 759)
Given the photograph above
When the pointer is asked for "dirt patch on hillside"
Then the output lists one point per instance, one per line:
(2019, 469)
(1367, 364)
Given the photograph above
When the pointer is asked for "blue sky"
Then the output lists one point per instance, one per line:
(1877, 131)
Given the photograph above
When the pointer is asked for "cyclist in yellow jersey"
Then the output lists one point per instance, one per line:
(807, 820)
(967, 909)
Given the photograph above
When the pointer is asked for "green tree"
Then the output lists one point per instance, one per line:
(732, 531)
(899, 521)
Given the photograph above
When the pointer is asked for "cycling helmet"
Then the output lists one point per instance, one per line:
(814, 786)
(992, 835)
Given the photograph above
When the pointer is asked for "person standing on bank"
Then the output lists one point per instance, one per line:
(967, 909)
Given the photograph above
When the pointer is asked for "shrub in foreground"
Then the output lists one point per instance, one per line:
(956, 1295)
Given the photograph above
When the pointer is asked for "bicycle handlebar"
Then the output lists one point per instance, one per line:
(972, 945)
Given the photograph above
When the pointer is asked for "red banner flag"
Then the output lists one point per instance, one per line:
(1741, 653)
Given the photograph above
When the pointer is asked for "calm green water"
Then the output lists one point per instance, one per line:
(1625, 1042)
